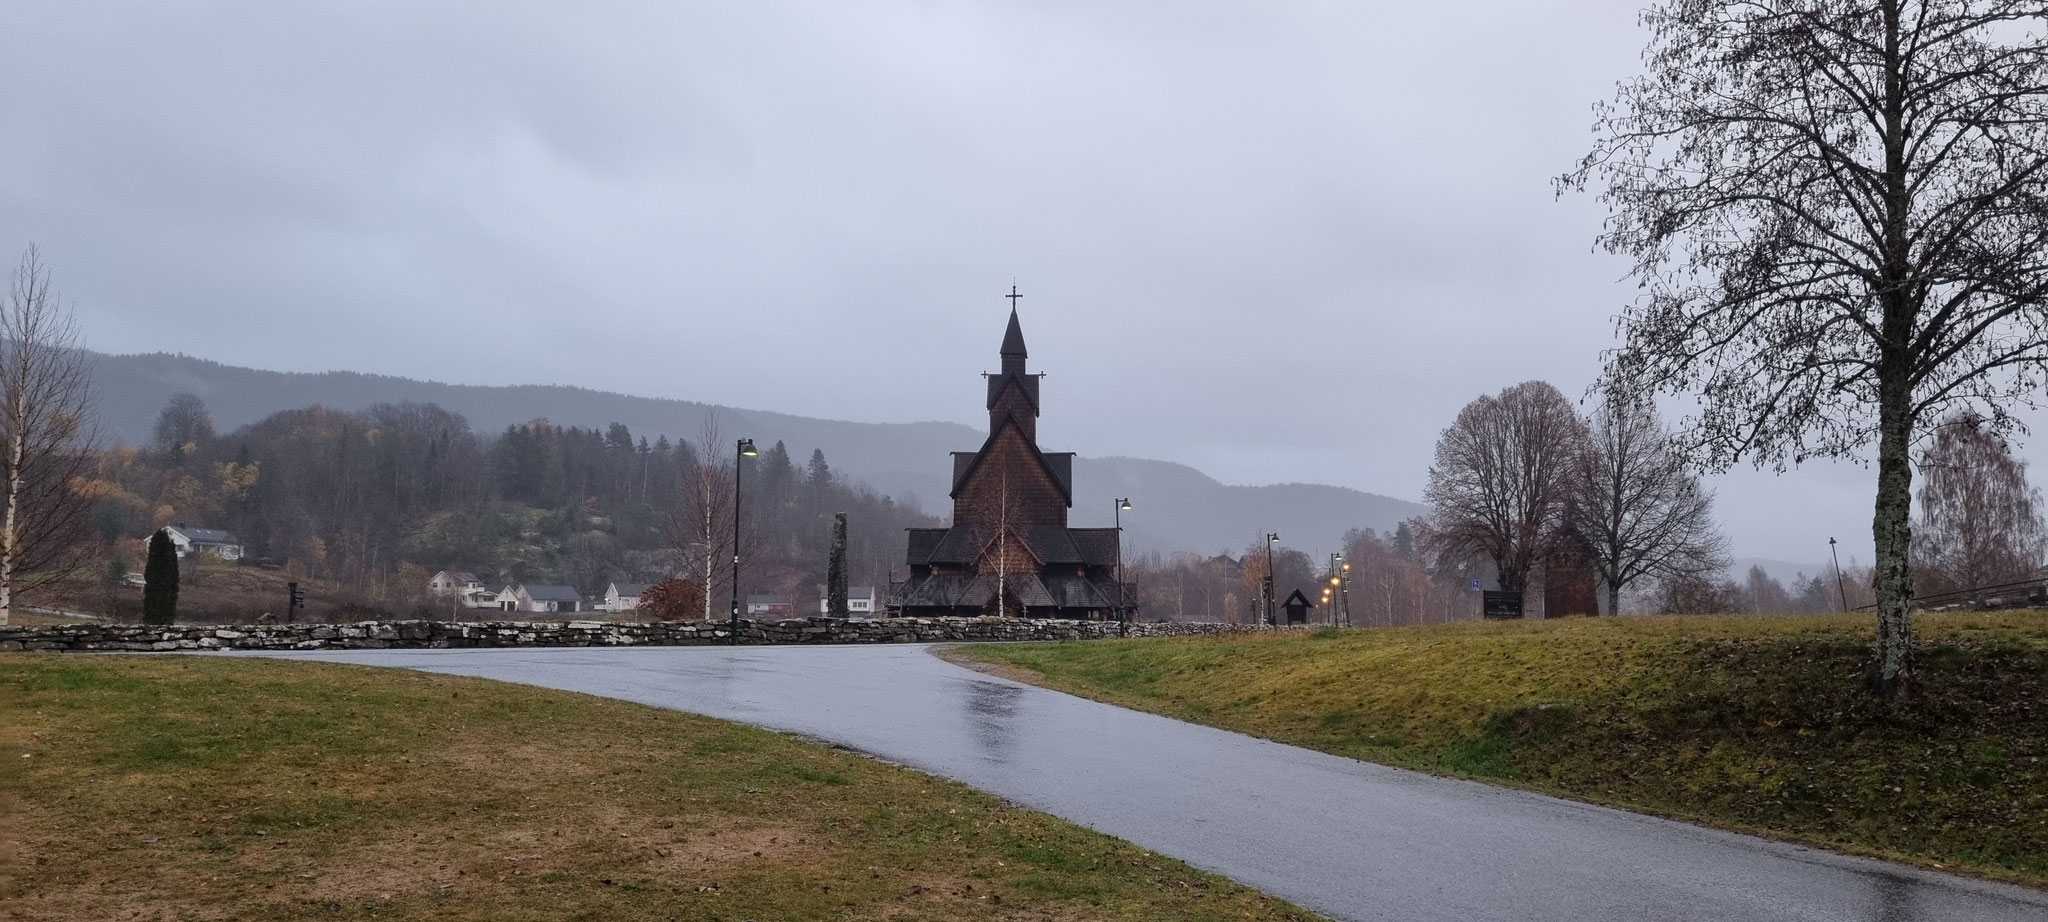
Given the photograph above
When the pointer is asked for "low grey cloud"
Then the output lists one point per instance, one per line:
(1278, 242)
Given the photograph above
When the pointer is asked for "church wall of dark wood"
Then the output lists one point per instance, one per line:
(1011, 469)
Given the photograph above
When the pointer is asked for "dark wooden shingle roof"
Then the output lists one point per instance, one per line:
(1013, 338)
(1028, 382)
(1098, 545)
(923, 541)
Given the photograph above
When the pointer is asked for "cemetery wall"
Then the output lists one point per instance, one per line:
(379, 635)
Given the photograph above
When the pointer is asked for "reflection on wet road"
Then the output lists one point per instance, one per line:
(1349, 839)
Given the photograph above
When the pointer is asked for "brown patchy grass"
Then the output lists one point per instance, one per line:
(175, 788)
(1759, 723)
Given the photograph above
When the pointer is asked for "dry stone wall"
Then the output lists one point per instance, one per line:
(380, 635)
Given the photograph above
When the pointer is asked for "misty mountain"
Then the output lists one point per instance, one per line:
(1175, 506)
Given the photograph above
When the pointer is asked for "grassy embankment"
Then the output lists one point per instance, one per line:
(196, 787)
(1758, 723)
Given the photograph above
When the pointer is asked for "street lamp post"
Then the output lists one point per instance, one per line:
(1272, 538)
(1123, 609)
(1840, 586)
(1344, 593)
(745, 449)
(1336, 583)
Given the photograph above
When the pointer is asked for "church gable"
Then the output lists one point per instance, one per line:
(1009, 457)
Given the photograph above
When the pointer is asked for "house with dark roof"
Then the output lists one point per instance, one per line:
(544, 598)
(186, 539)
(622, 596)
(1009, 550)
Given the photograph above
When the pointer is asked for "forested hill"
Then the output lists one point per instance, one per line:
(1179, 508)
(133, 388)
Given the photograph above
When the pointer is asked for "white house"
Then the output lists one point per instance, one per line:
(764, 604)
(860, 602)
(622, 596)
(185, 539)
(464, 585)
(506, 599)
(549, 598)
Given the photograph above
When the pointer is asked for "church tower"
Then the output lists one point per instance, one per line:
(1013, 392)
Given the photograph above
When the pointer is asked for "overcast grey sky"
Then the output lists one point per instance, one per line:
(1279, 242)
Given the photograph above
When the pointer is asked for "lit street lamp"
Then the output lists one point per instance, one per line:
(745, 449)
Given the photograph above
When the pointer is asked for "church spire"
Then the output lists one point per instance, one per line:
(1013, 338)
(1013, 393)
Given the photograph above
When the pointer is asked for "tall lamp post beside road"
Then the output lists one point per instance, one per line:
(1330, 603)
(1344, 592)
(1123, 606)
(1336, 595)
(745, 449)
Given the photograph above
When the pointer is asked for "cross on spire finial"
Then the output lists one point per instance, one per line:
(1013, 296)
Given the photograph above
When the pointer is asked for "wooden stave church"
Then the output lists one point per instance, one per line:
(1009, 550)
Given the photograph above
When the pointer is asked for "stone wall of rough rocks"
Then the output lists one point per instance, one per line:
(441, 634)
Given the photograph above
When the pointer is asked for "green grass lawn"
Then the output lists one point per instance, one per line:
(1753, 722)
(189, 787)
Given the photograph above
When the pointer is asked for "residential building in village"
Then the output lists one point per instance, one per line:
(622, 597)
(187, 539)
(545, 598)
(861, 602)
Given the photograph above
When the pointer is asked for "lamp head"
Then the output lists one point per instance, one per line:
(1273, 536)
(1123, 504)
(747, 448)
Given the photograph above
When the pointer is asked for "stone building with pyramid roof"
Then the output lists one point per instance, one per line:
(1009, 550)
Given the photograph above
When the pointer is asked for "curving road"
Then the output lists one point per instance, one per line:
(1349, 839)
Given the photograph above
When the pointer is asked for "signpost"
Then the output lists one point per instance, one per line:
(1501, 605)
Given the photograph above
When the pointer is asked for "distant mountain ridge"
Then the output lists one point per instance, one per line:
(1176, 506)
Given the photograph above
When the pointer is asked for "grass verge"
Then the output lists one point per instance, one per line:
(183, 787)
(1758, 723)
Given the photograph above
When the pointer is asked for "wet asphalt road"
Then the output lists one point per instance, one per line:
(1349, 839)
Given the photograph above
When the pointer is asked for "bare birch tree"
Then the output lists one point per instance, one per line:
(46, 436)
(1636, 507)
(701, 529)
(1980, 521)
(1837, 212)
(1501, 478)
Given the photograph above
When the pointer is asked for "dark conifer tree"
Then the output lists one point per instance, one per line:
(160, 581)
